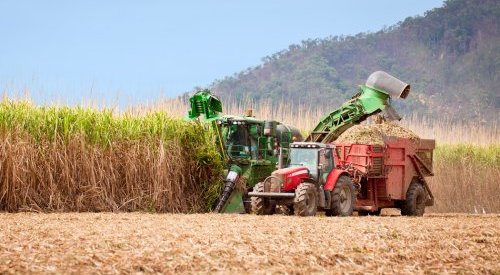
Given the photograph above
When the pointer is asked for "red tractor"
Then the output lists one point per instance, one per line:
(343, 178)
(311, 182)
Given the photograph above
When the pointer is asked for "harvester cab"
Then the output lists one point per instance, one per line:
(250, 147)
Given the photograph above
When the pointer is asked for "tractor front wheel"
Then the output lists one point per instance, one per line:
(414, 205)
(261, 206)
(305, 202)
(343, 197)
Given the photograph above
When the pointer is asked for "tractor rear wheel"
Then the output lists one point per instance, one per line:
(306, 201)
(261, 206)
(414, 205)
(343, 197)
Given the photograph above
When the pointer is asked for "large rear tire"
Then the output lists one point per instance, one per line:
(261, 206)
(343, 197)
(414, 205)
(306, 200)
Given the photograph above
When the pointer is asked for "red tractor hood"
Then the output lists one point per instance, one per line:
(292, 176)
(291, 170)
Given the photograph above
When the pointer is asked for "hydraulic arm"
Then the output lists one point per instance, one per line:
(373, 97)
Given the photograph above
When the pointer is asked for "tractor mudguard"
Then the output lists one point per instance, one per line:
(332, 178)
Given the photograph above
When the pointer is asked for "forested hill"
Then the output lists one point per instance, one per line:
(450, 56)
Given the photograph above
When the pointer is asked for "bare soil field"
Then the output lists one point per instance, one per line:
(199, 243)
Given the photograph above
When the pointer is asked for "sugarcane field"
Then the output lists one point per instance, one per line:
(356, 152)
(212, 243)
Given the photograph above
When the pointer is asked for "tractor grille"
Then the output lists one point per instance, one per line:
(273, 184)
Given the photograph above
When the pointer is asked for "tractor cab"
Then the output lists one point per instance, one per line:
(316, 157)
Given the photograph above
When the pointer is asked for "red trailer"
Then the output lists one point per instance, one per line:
(389, 176)
(359, 177)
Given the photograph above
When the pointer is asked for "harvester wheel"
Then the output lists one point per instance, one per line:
(261, 206)
(343, 197)
(414, 205)
(306, 201)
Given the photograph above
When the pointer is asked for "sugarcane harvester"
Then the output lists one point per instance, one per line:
(249, 147)
(341, 178)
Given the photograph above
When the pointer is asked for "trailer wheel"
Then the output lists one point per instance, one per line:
(305, 202)
(261, 206)
(414, 205)
(343, 197)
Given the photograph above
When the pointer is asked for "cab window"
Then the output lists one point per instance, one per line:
(326, 161)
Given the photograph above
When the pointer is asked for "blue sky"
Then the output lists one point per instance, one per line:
(129, 52)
